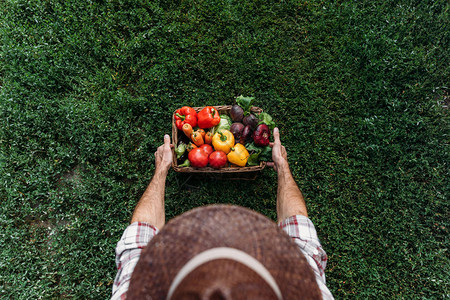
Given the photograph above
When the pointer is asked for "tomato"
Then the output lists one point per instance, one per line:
(198, 158)
(217, 159)
(207, 148)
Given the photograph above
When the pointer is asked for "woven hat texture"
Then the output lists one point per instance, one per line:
(214, 226)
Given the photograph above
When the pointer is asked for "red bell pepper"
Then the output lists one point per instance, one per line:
(208, 117)
(185, 115)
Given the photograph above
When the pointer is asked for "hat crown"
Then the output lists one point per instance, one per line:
(217, 226)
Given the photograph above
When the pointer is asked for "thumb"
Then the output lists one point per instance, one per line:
(276, 135)
(166, 140)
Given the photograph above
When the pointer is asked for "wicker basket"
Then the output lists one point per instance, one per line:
(230, 172)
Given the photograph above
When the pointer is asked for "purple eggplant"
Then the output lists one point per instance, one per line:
(236, 129)
(251, 120)
(236, 113)
(261, 135)
(246, 135)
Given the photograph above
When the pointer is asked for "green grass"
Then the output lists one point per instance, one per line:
(358, 89)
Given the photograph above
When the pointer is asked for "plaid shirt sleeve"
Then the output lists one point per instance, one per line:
(128, 251)
(302, 230)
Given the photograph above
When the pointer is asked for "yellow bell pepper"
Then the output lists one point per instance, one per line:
(238, 155)
(223, 140)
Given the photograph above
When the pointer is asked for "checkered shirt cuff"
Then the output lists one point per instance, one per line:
(128, 251)
(303, 232)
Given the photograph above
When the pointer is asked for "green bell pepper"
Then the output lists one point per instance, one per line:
(179, 151)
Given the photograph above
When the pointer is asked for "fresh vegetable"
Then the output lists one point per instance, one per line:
(216, 145)
(236, 129)
(202, 132)
(238, 155)
(186, 163)
(183, 138)
(180, 149)
(265, 118)
(259, 153)
(197, 138)
(224, 124)
(236, 113)
(185, 115)
(190, 146)
(207, 148)
(218, 159)
(251, 120)
(187, 129)
(183, 157)
(245, 103)
(208, 117)
(246, 135)
(223, 140)
(208, 138)
(265, 152)
(198, 158)
(253, 159)
(261, 135)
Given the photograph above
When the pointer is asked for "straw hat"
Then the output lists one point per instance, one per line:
(222, 252)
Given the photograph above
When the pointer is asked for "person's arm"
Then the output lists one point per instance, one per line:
(147, 218)
(150, 208)
(293, 216)
(289, 197)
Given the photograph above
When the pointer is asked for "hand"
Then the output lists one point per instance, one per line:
(163, 155)
(279, 154)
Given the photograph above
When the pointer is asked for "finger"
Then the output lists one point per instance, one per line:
(271, 144)
(272, 165)
(276, 135)
(166, 141)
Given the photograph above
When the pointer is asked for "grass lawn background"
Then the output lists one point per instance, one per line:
(359, 91)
